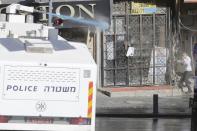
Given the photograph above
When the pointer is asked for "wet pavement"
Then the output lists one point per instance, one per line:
(174, 112)
(141, 124)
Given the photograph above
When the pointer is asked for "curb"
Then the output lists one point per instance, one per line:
(147, 115)
(162, 91)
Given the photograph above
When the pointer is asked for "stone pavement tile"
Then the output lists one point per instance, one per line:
(141, 104)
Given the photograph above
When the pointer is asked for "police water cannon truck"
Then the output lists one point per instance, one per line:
(46, 82)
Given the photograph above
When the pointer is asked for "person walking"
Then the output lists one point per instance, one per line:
(186, 76)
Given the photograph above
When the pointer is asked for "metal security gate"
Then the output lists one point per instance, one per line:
(147, 35)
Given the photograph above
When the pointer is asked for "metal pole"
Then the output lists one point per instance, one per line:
(50, 11)
(154, 43)
(155, 105)
(127, 41)
(98, 56)
(115, 48)
(141, 42)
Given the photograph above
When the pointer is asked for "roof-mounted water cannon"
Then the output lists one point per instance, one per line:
(13, 17)
(11, 9)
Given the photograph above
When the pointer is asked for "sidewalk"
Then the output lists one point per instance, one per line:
(162, 90)
(125, 104)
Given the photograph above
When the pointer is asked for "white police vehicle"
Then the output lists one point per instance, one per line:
(46, 82)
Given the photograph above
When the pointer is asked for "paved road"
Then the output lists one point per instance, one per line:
(141, 124)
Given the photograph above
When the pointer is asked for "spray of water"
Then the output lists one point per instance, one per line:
(100, 24)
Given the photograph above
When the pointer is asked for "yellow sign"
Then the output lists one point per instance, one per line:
(190, 1)
(142, 8)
